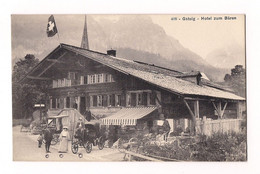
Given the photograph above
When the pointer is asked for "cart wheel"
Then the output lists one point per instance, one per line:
(61, 155)
(74, 148)
(88, 146)
(101, 143)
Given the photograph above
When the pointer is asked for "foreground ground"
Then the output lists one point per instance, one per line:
(25, 149)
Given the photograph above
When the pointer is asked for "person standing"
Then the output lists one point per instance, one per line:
(79, 128)
(40, 139)
(88, 114)
(64, 138)
(48, 137)
(165, 126)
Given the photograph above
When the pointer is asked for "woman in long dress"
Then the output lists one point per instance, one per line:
(64, 136)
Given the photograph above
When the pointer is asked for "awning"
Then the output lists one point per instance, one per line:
(58, 116)
(128, 116)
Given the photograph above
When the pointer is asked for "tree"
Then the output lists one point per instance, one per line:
(237, 80)
(25, 95)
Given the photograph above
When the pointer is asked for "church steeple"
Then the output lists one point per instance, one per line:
(84, 41)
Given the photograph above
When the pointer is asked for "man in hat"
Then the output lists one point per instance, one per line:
(79, 128)
(80, 123)
(165, 128)
(48, 136)
(87, 114)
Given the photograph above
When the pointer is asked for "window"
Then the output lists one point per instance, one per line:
(105, 100)
(152, 98)
(111, 100)
(58, 103)
(94, 100)
(54, 103)
(71, 75)
(99, 78)
(106, 77)
(139, 99)
(92, 79)
(133, 99)
(85, 79)
(118, 100)
(99, 100)
(128, 99)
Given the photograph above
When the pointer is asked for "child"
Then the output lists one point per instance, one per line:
(40, 139)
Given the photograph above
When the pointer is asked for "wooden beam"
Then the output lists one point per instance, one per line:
(51, 65)
(216, 109)
(222, 112)
(192, 115)
(55, 60)
(190, 98)
(38, 78)
(239, 111)
(219, 109)
(196, 109)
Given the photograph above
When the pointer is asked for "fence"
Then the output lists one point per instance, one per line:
(208, 127)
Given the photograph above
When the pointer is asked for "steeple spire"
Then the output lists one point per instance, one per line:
(84, 41)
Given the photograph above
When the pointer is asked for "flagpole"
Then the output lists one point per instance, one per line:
(54, 28)
(58, 37)
(58, 33)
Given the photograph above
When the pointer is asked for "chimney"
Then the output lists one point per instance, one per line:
(111, 52)
(198, 78)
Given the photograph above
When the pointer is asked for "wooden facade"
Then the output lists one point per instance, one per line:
(77, 81)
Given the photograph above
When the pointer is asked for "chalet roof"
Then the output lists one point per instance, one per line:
(162, 77)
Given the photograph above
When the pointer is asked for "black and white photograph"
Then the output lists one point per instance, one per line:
(129, 87)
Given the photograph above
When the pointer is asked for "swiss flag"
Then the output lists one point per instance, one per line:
(51, 27)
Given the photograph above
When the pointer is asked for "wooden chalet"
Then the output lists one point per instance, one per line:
(126, 92)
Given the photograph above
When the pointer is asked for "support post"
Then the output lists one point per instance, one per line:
(222, 112)
(216, 109)
(196, 109)
(239, 111)
(192, 115)
(219, 110)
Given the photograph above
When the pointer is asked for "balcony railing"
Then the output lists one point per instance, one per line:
(61, 83)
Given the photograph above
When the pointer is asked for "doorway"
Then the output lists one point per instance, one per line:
(82, 107)
(67, 102)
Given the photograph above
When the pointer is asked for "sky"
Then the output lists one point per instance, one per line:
(200, 36)
(213, 34)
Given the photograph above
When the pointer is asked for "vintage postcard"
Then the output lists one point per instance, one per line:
(129, 88)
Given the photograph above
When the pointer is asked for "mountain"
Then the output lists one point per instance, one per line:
(136, 37)
(214, 74)
(227, 57)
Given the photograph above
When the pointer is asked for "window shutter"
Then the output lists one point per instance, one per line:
(81, 80)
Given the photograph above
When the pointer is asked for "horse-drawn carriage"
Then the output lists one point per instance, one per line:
(88, 136)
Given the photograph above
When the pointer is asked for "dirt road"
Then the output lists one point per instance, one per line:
(25, 149)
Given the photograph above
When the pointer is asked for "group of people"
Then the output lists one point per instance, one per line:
(47, 136)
